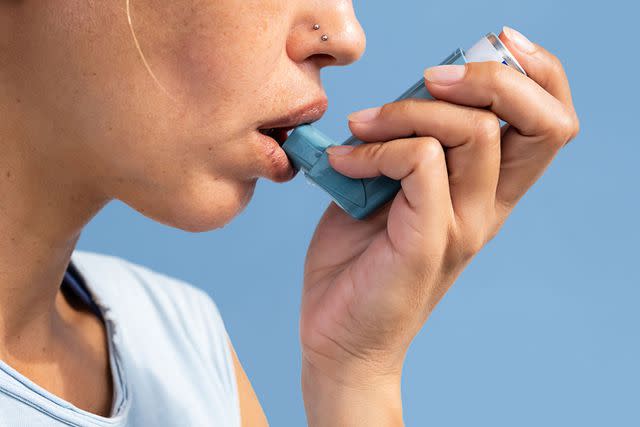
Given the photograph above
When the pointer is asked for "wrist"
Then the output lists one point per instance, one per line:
(356, 400)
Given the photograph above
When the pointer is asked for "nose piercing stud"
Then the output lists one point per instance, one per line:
(324, 37)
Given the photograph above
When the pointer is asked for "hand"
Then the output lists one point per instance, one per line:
(369, 286)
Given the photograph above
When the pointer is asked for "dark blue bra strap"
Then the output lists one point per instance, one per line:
(74, 282)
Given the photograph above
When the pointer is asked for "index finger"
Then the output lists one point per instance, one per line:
(512, 96)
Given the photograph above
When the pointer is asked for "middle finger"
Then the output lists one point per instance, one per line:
(471, 137)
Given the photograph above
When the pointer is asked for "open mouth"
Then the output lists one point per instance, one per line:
(280, 135)
(279, 129)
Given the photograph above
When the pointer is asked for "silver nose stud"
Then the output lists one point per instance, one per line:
(324, 37)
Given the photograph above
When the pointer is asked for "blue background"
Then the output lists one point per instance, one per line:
(543, 327)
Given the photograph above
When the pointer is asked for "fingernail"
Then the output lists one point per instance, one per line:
(521, 42)
(365, 115)
(340, 150)
(445, 74)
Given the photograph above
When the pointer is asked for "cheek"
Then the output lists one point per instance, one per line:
(216, 54)
(176, 162)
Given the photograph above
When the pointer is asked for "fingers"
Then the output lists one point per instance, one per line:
(471, 136)
(538, 108)
(421, 213)
(512, 96)
(541, 66)
(482, 169)
(418, 163)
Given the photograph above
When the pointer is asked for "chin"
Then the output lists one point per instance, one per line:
(199, 208)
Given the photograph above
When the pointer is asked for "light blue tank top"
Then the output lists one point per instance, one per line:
(170, 359)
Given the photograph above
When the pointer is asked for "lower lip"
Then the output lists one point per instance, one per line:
(278, 166)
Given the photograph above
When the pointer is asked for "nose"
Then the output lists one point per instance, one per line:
(328, 33)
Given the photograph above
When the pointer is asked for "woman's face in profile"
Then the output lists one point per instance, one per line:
(159, 102)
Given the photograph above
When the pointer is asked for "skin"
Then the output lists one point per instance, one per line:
(161, 112)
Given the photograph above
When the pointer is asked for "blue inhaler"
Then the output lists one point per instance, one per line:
(306, 145)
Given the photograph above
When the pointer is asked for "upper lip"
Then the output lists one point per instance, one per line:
(308, 113)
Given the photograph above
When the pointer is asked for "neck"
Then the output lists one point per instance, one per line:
(44, 204)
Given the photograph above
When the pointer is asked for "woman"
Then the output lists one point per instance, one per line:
(165, 105)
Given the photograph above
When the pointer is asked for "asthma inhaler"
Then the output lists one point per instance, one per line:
(306, 145)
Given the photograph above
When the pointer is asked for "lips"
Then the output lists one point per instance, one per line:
(279, 128)
(279, 134)
(274, 163)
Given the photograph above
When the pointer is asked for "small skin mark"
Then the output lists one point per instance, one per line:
(210, 148)
(8, 174)
(18, 100)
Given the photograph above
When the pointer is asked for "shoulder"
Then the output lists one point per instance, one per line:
(126, 287)
(128, 290)
(110, 276)
(160, 314)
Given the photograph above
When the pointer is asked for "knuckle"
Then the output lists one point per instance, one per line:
(473, 234)
(556, 64)
(552, 70)
(495, 68)
(409, 107)
(576, 126)
(388, 108)
(566, 128)
(477, 239)
(427, 150)
(401, 108)
(491, 73)
(487, 126)
(374, 150)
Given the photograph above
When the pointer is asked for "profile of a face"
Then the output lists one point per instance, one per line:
(160, 103)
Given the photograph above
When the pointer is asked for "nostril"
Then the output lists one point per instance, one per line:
(323, 59)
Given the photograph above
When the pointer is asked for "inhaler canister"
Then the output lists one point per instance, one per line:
(306, 146)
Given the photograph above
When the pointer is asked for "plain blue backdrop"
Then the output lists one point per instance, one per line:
(543, 327)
